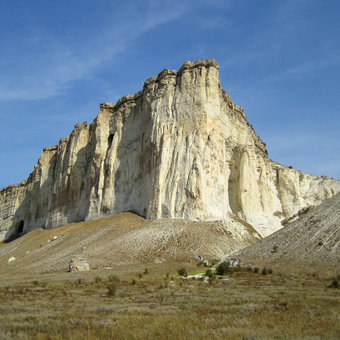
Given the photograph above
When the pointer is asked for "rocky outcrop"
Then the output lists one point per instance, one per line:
(179, 149)
(78, 264)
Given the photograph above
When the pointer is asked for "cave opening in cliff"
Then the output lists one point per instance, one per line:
(15, 232)
(109, 140)
(20, 227)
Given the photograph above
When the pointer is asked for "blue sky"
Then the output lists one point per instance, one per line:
(280, 60)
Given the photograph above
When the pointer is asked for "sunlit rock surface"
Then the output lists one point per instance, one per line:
(178, 149)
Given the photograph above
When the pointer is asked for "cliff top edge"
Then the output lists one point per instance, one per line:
(188, 65)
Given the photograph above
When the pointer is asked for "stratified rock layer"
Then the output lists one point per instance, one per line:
(179, 149)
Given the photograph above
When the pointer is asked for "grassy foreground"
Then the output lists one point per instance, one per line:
(244, 305)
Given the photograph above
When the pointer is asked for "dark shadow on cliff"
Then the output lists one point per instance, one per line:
(67, 199)
(20, 218)
(12, 238)
(234, 181)
(131, 190)
(77, 193)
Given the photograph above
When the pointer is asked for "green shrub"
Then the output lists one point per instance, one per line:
(270, 271)
(223, 268)
(264, 271)
(256, 269)
(133, 282)
(111, 289)
(334, 284)
(146, 271)
(113, 278)
(209, 273)
(182, 272)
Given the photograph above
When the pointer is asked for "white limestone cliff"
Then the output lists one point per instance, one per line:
(179, 149)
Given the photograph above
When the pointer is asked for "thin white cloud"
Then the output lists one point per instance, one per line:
(265, 47)
(48, 65)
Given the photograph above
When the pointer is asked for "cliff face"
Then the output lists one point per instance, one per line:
(180, 149)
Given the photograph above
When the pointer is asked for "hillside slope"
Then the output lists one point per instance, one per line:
(123, 239)
(314, 237)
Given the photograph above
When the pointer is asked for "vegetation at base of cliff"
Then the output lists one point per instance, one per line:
(223, 268)
(182, 272)
(242, 305)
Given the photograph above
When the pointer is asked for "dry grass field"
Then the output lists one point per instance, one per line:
(152, 302)
(133, 290)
